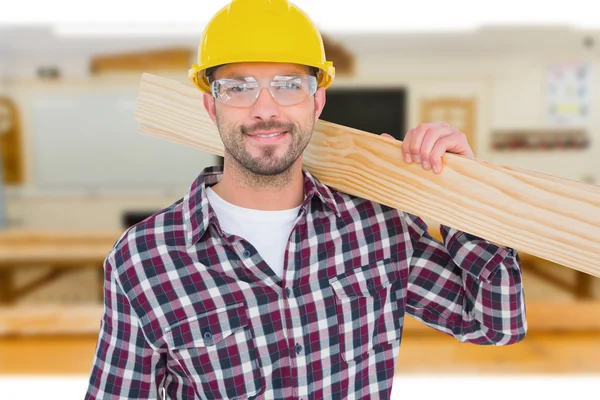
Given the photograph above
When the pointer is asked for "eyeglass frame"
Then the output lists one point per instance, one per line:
(312, 81)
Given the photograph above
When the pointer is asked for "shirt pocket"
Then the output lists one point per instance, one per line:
(216, 351)
(368, 313)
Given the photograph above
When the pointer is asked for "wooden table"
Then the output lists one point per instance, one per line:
(62, 251)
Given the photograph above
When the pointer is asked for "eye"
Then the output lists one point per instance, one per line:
(292, 83)
(239, 87)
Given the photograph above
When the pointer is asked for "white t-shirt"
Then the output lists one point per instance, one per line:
(267, 231)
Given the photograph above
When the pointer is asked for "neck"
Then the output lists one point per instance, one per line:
(243, 188)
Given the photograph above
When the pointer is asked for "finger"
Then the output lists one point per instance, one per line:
(406, 146)
(417, 140)
(438, 151)
(387, 135)
(433, 135)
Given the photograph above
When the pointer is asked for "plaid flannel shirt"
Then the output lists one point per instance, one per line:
(194, 313)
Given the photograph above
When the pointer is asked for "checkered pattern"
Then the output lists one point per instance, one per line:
(194, 313)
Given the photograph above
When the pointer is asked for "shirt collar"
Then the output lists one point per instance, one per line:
(197, 214)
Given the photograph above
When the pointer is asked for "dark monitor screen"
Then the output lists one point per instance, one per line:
(375, 110)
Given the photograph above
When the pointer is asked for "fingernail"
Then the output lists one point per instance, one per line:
(418, 159)
(436, 169)
(407, 158)
(425, 164)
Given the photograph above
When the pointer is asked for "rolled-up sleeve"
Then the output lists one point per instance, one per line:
(466, 286)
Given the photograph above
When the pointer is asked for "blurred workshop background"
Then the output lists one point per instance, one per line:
(76, 171)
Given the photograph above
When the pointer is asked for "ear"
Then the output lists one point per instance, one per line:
(210, 107)
(319, 102)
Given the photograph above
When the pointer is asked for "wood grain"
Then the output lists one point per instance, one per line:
(550, 217)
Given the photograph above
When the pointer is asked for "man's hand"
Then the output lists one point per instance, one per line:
(427, 143)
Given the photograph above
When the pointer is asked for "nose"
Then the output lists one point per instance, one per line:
(265, 108)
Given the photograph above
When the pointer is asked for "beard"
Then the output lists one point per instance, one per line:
(269, 162)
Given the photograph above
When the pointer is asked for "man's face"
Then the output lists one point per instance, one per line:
(244, 129)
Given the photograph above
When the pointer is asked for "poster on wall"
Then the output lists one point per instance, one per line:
(569, 87)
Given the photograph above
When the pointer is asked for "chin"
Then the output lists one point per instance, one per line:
(270, 169)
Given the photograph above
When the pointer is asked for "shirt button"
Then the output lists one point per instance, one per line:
(207, 335)
(288, 292)
(246, 253)
(298, 349)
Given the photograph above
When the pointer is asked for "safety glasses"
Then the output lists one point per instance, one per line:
(287, 90)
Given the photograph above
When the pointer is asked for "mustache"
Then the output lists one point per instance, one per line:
(266, 126)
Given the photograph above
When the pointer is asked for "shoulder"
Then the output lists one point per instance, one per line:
(164, 228)
(355, 208)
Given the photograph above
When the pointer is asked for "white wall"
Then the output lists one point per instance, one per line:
(519, 102)
(32, 205)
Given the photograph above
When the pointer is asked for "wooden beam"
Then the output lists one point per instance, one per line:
(50, 320)
(6, 285)
(555, 281)
(584, 286)
(175, 58)
(542, 316)
(31, 287)
(342, 58)
(11, 142)
(550, 217)
(434, 231)
(55, 248)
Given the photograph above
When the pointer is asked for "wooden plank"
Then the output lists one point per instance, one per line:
(11, 143)
(32, 286)
(50, 320)
(545, 353)
(584, 286)
(162, 59)
(51, 355)
(550, 217)
(542, 316)
(434, 231)
(6, 285)
(56, 248)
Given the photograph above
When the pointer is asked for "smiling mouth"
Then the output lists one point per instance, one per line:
(268, 135)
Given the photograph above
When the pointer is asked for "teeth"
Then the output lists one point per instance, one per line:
(271, 135)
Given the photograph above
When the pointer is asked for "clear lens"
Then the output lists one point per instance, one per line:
(289, 90)
(243, 92)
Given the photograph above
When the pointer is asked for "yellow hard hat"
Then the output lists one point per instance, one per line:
(260, 31)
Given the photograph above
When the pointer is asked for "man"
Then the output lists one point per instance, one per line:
(264, 283)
